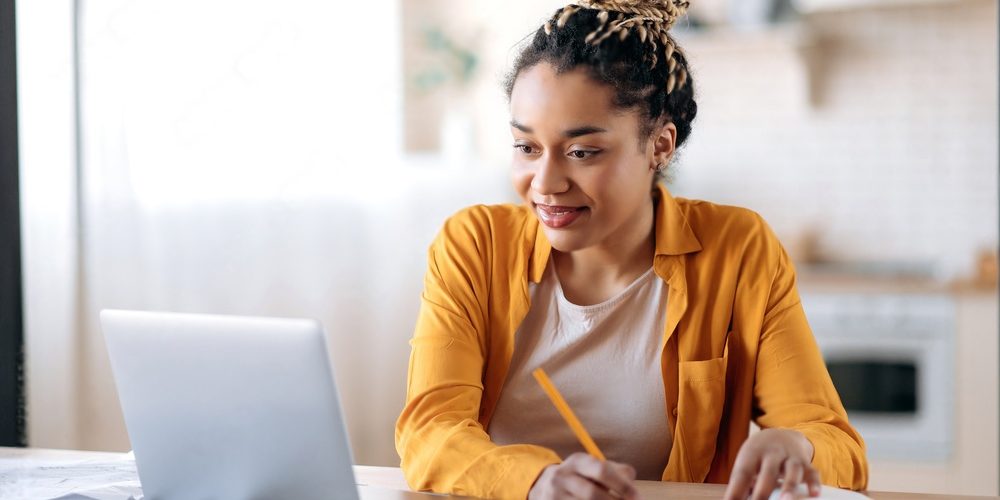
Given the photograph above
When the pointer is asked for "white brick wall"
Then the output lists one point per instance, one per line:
(877, 128)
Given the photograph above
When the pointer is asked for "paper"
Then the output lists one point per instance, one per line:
(826, 493)
(91, 479)
(831, 493)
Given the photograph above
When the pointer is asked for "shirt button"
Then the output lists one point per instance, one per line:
(674, 411)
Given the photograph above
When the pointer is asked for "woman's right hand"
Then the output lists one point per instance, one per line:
(585, 477)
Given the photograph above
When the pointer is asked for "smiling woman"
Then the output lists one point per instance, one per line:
(668, 324)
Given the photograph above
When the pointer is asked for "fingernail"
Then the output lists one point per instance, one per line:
(787, 496)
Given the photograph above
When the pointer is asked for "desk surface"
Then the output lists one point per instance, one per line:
(387, 483)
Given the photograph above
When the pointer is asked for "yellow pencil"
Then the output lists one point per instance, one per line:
(567, 414)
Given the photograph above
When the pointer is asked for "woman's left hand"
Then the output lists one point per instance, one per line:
(770, 456)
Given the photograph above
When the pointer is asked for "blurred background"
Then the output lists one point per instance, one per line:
(297, 158)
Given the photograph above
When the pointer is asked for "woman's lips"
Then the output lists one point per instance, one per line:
(558, 217)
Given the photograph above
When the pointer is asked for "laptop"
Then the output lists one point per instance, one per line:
(232, 407)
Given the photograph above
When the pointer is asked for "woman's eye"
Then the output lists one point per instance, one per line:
(581, 154)
(523, 148)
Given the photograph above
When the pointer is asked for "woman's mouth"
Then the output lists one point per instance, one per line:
(558, 217)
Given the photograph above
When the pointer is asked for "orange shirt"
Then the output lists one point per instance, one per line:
(736, 347)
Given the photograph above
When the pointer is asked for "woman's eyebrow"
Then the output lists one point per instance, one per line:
(523, 128)
(571, 133)
(584, 130)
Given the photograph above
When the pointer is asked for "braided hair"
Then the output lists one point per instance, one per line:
(624, 44)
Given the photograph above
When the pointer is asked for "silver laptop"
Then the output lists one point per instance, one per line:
(231, 407)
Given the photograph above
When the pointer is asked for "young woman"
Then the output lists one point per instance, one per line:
(668, 324)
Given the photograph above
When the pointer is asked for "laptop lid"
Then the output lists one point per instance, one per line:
(229, 407)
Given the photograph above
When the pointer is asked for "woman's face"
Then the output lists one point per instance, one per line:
(577, 160)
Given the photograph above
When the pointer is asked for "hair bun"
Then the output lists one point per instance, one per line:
(664, 11)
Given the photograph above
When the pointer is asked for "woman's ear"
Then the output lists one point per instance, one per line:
(664, 143)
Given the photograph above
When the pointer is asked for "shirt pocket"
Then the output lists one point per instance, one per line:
(701, 399)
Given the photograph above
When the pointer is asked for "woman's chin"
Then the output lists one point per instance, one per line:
(564, 241)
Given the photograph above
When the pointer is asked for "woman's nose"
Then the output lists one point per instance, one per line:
(550, 178)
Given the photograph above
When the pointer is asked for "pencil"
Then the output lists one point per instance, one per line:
(567, 414)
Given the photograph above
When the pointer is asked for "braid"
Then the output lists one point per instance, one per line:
(651, 22)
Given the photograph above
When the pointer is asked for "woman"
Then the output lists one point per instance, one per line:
(668, 324)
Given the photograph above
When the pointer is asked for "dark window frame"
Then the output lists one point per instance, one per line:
(12, 414)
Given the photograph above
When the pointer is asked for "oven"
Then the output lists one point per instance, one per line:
(891, 357)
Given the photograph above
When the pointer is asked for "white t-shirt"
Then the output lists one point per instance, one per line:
(605, 361)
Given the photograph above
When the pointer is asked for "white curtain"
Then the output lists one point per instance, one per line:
(244, 158)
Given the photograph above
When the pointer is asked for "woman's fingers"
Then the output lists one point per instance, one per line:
(740, 483)
(572, 485)
(612, 476)
(767, 476)
(759, 482)
(742, 477)
(811, 478)
(770, 456)
(794, 472)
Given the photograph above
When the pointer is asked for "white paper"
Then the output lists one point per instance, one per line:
(91, 479)
(831, 493)
(826, 493)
